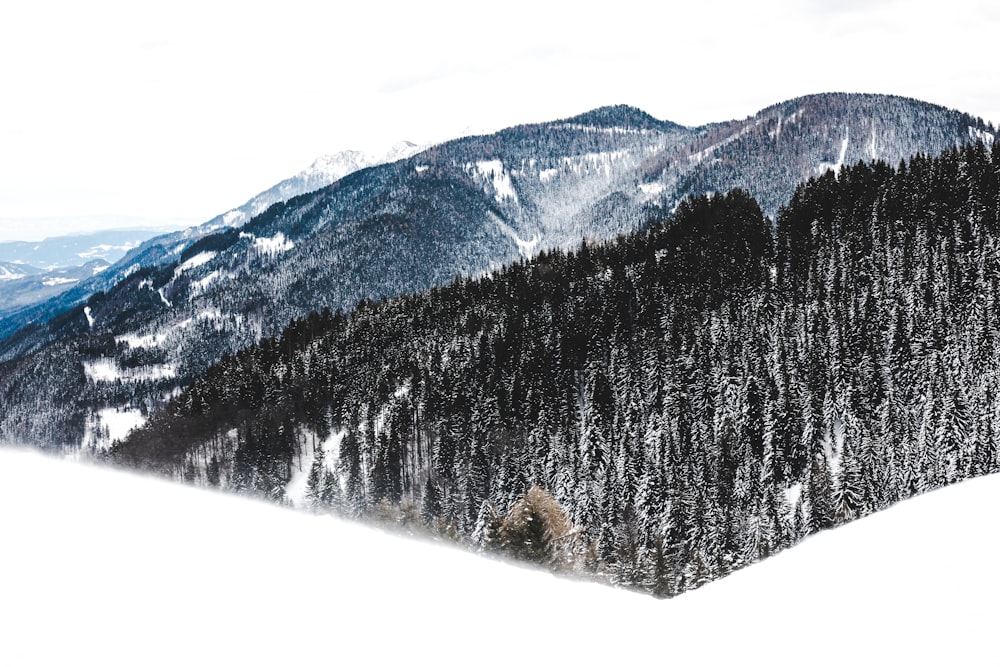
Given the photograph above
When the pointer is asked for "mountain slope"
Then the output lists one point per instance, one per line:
(771, 152)
(161, 578)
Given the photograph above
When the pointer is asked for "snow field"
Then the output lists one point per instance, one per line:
(102, 566)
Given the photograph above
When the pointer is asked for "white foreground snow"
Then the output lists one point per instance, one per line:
(103, 567)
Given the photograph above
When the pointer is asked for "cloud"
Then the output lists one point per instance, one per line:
(825, 7)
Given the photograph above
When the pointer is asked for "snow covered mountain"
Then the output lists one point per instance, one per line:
(183, 576)
(144, 251)
(461, 208)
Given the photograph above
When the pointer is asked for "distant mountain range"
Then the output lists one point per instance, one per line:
(16, 270)
(76, 249)
(22, 285)
(180, 301)
(35, 271)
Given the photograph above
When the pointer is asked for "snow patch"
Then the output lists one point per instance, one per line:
(652, 189)
(594, 129)
(298, 484)
(526, 248)
(7, 274)
(103, 248)
(157, 339)
(137, 341)
(52, 282)
(776, 133)
(421, 168)
(104, 369)
(198, 260)
(546, 175)
(199, 286)
(108, 425)
(792, 494)
(595, 161)
(980, 135)
(795, 116)
(503, 188)
(90, 318)
(120, 422)
(207, 314)
(273, 245)
(700, 156)
(835, 167)
(233, 218)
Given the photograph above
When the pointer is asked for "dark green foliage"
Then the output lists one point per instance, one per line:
(718, 244)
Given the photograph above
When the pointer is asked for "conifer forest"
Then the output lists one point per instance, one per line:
(655, 411)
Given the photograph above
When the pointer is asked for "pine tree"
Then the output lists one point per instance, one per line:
(847, 501)
(316, 481)
(819, 493)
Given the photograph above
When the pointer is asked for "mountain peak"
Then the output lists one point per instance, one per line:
(340, 163)
(841, 103)
(399, 151)
(620, 116)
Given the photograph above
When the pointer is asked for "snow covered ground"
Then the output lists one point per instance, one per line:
(103, 567)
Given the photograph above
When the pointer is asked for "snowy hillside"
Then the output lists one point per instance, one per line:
(181, 576)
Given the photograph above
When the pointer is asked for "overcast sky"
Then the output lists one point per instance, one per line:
(176, 111)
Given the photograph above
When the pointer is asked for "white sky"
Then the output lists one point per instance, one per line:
(179, 111)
